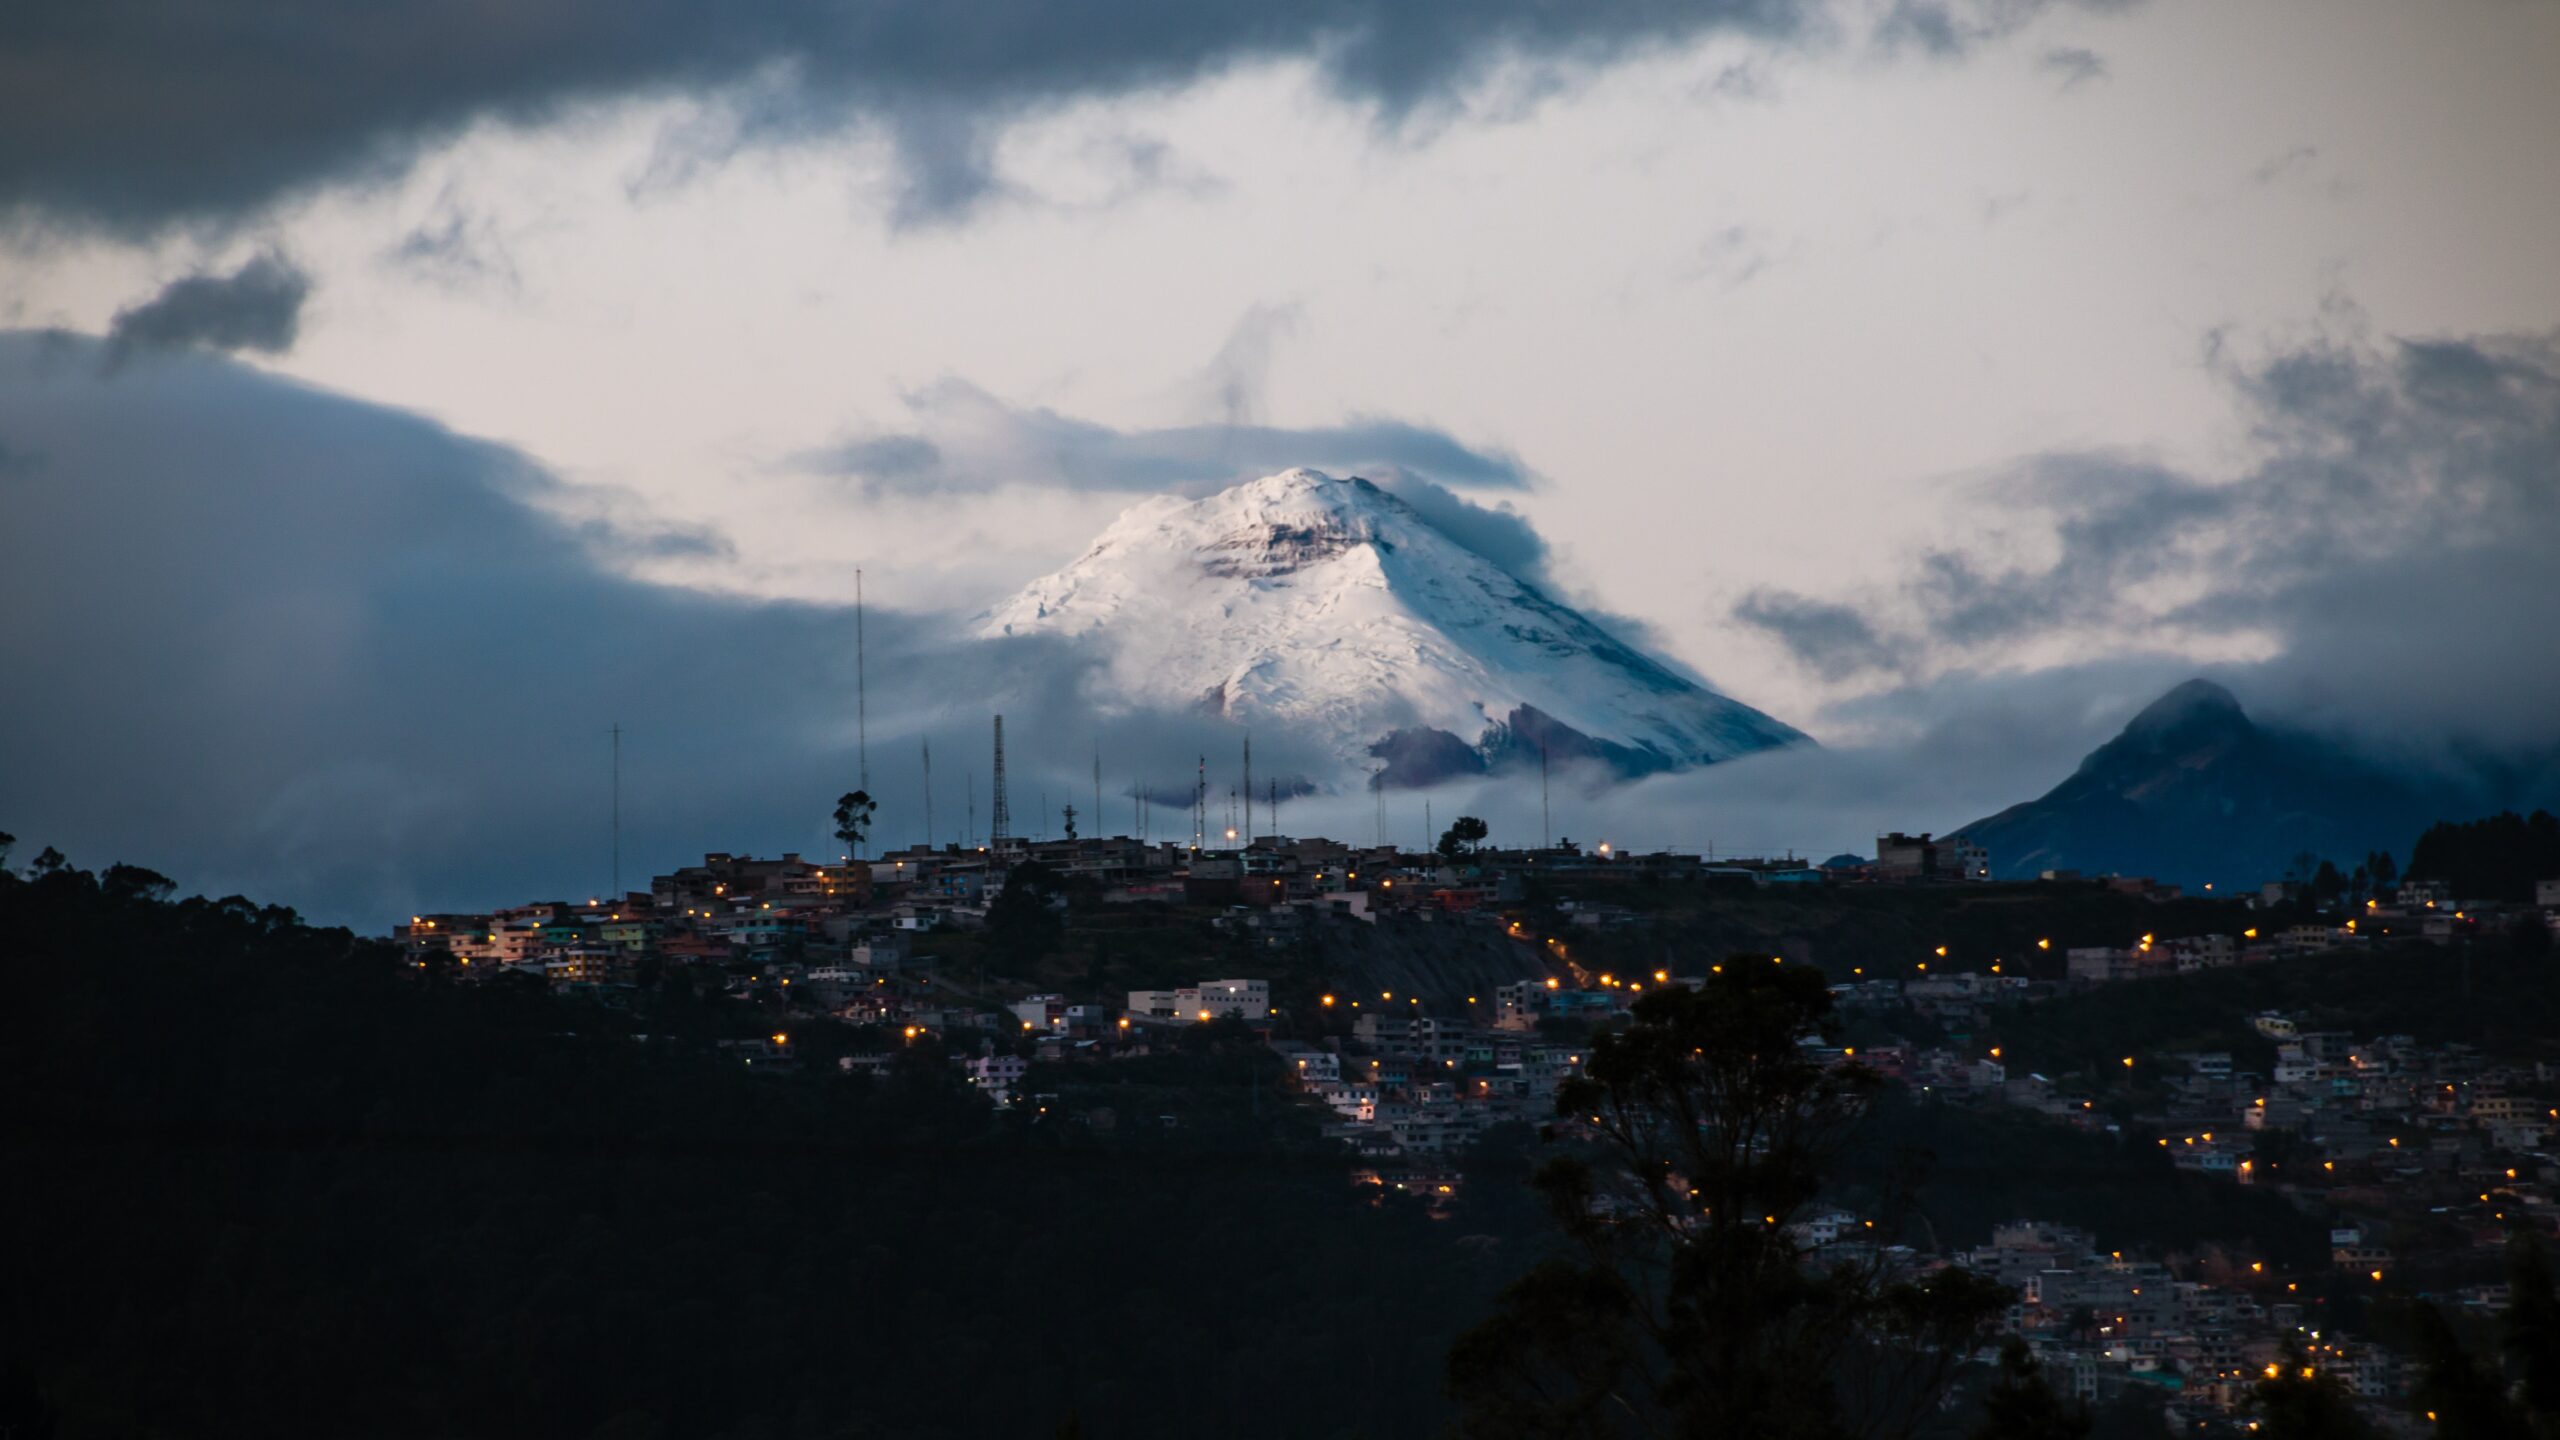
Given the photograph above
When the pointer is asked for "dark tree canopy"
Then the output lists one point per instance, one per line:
(1463, 835)
(2498, 858)
(2023, 1405)
(1688, 1304)
(1022, 923)
(853, 819)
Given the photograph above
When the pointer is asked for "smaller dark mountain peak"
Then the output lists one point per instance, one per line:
(2198, 704)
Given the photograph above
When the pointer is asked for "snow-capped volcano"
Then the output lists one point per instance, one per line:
(1333, 610)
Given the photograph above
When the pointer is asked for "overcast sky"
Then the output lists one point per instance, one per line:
(1872, 357)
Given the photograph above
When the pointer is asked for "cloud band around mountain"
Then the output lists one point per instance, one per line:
(2387, 545)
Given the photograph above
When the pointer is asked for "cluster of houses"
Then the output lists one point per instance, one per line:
(2429, 1150)
(734, 907)
(1412, 1085)
(796, 909)
(2199, 1336)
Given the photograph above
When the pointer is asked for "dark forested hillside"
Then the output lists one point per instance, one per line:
(2499, 858)
(263, 1179)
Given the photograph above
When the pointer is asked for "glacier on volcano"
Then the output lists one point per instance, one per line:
(1329, 609)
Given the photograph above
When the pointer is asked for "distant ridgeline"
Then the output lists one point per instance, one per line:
(2193, 792)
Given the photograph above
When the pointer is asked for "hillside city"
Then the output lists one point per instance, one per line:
(2419, 1159)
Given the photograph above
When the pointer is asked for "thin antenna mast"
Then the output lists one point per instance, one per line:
(999, 815)
(861, 694)
(616, 892)
(1546, 822)
(1248, 788)
(969, 836)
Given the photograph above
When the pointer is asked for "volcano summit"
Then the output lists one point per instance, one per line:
(1331, 609)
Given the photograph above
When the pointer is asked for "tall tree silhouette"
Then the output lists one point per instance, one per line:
(853, 820)
(1689, 1306)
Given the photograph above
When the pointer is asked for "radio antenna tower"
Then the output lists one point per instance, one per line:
(1248, 788)
(1200, 805)
(999, 819)
(928, 792)
(1274, 797)
(861, 694)
(1546, 824)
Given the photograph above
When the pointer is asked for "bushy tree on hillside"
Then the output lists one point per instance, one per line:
(853, 820)
(1688, 1305)
(1462, 836)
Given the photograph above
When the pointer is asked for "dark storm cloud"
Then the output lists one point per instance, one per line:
(2392, 540)
(256, 307)
(131, 114)
(969, 442)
